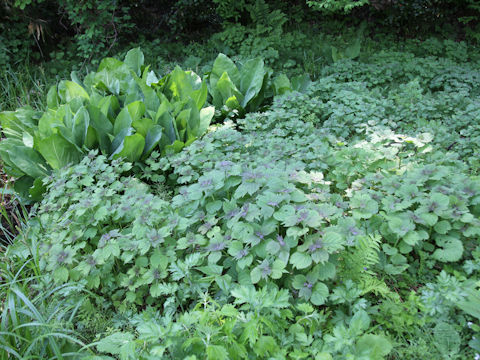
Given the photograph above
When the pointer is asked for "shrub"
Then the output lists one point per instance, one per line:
(123, 109)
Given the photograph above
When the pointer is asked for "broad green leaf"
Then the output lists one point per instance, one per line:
(151, 78)
(442, 227)
(336, 54)
(278, 267)
(52, 97)
(181, 122)
(10, 166)
(412, 238)
(256, 274)
(359, 322)
(152, 101)
(91, 140)
(27, 160)
(255, 103)
(438, 203)
(152, 139)
(57, 151)
(109, 106)
(123, 121)
(27, 140)
(251, 80)
(135, 59)
(281, 85)
(75, 78)
(400, 224)
(131, 148)
(325, 271)
(375, 347)
(143, 125)
(117, 142)
(299, 281)
(71, 90)
(451, 249)
(265, 345)
(60, 275)
(136, 110)
(183, 85)
(232, 103)
(429, 218)
(37, 190)
(221, 65)
(102, 126)
(166, 120)
(81, 122)
(446, 338)
(113, 343)
(364, 206)
(323, 356)
(67, 134)
(301, 83)
(115, 77)
(471, 304)
(217, 352)
(108, 82)
(225, 89)
(193, 121)
(200, 96)
(110, 63)
(159, 260)
(353, 51)
(22, 187)
(16, 123)
(206, 116)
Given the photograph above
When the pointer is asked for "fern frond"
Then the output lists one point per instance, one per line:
(259, 12)
(362, 257)
(368, 248)
(357, 265)
(371, 284)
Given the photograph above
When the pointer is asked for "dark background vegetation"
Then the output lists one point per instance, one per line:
(42, 30)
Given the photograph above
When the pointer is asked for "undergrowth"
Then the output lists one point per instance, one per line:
(341, 221)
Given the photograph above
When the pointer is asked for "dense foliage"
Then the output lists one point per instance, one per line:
(89, 29)
(293, 194)
(123, 109)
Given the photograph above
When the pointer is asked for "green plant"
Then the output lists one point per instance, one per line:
(23, 86)
(334, 219)
(12, 216)
(237, 91)
(123, 109)
(97, 25)
(333, 6)
(255, 330)
(37, 319)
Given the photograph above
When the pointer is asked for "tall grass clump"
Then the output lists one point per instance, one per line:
(36, 316)
(22, 86)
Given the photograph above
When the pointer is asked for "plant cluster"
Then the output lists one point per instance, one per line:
(333, 219)
(237, 91)
(123, 109)
(37, 316)
(279, 209)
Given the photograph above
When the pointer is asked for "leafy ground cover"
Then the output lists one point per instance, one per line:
(337, 218)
